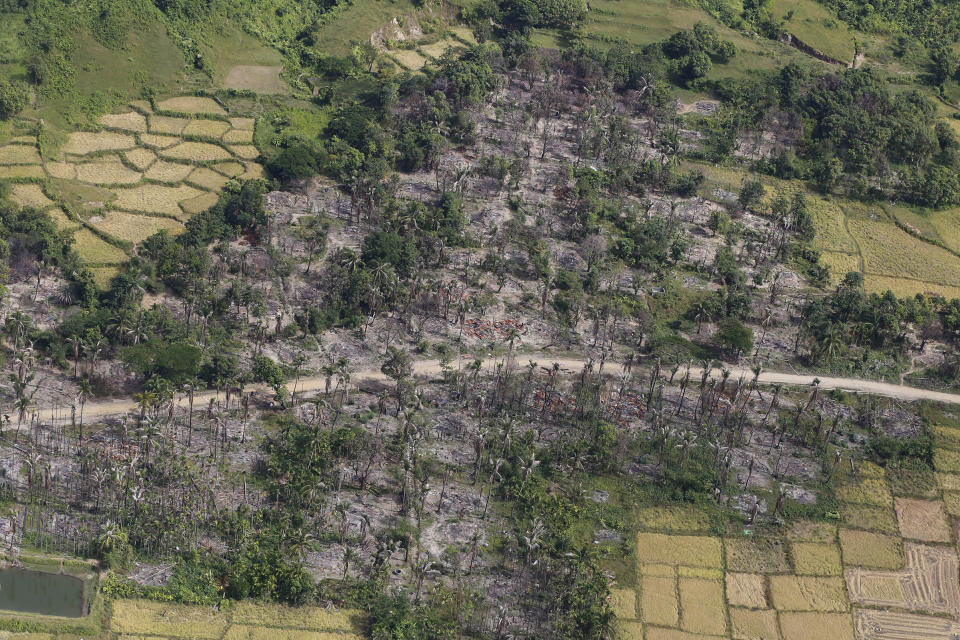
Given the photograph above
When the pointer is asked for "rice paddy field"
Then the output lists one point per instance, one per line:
(810, 579)
(150, 168)
(242, 621)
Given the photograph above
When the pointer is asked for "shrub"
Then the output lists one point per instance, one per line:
(14, 98)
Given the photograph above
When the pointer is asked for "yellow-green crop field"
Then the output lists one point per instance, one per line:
(889, 251)
(830, 222)
(947, 224)
(146, 170)
(840, 264)
(809, 579)
(242, 621)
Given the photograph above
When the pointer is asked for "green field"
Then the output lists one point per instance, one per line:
(642, 23)
(811, 23)
(357, 21)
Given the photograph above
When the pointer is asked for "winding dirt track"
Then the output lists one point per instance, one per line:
(568, 366)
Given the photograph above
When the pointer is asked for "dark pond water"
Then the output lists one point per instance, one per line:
(37, 592)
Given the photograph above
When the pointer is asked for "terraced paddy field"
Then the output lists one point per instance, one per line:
(149, 168)
(892, 576)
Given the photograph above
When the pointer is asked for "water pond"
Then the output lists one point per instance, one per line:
(51, 594)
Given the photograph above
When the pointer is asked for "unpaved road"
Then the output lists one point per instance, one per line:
(101, 408)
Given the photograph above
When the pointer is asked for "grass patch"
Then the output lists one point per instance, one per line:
(81, 196)
(947, 223)
(812, 531)
(151, 58)
(232, 46)
(357, 21)
(259, 78)
(811, 23)
(191, 104)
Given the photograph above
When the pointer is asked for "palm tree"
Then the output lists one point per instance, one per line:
(76, 342)
(327, 370)
(830, 344)
(85, 391)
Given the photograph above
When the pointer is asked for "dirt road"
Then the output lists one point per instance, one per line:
(101, 408)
